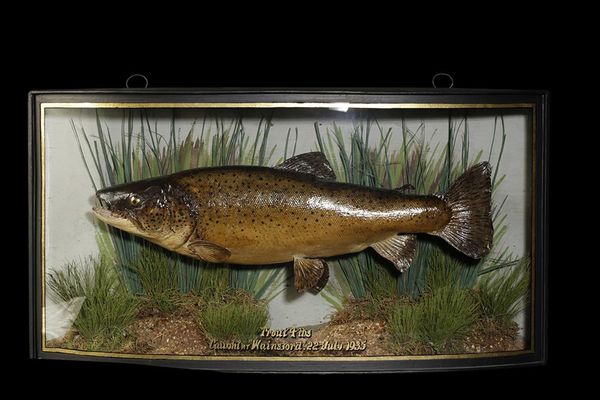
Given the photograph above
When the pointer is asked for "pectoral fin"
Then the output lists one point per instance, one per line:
(310, 273)
(399, 249)
(209, 251)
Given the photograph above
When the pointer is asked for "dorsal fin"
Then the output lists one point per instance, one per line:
(314, 163)
(406, 189)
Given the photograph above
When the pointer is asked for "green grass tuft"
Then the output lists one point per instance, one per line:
(502, 296)
(440, 317)
(380, 282)
(446, 315)
(406, 327)
(442, 270)
(108, 307)
(233, 317)
(212, 282)
(158, 273)
(436, 321)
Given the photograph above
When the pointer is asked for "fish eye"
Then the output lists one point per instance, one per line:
(134, 200)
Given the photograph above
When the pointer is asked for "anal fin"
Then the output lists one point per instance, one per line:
(209, 251)
(310, 273)
(399, 249)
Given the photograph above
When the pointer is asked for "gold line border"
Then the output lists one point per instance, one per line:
(331, 105)
(43, 219)
(291, 105)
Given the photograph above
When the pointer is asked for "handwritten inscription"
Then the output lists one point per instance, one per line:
(300, 333)
(270, 345)
(288, 340)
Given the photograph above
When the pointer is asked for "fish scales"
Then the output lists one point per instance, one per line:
(265, 215)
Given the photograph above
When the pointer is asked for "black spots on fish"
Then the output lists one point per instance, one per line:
(253, 220)
(260, 178)
(329, 224)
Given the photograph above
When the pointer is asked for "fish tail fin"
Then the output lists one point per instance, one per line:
(470, 228)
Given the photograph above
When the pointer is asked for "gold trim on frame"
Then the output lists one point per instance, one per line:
(267, 105)
(291, 105)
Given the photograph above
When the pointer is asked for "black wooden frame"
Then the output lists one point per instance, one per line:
(496, 98)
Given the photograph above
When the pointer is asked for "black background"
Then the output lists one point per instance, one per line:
(322, 53)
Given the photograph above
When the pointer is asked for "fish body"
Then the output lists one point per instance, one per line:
(266, 215)
(295, 212)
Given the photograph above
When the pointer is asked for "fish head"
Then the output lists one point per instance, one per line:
(146, 208)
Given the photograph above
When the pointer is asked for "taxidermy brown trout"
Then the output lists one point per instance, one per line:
(296, 212)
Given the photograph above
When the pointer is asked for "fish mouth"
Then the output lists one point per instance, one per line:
(114, 219)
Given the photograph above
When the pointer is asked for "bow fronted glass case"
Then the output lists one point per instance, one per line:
(289, 230)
